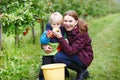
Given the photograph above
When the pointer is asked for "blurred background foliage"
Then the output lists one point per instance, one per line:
(20, 18)
(25, 12)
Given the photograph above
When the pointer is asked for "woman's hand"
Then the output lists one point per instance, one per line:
(57, 32)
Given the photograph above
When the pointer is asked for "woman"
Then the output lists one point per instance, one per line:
(78, 53)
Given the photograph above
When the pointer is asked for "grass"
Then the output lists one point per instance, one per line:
(105, 35)
(20, 63)
(23, 63)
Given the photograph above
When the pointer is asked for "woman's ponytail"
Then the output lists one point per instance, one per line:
(83, 26)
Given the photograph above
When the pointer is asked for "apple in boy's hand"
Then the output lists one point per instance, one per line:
(57, 32)
(55, 29)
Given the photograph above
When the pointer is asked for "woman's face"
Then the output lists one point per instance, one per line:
(69, 22)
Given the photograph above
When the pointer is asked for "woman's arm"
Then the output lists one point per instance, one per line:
(75, 45)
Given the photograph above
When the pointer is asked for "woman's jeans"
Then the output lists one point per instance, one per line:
(61, 57)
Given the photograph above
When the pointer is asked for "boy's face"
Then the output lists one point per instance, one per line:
(55, 25)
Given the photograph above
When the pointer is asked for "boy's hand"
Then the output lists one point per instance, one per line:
(49, 34)
(47, 48)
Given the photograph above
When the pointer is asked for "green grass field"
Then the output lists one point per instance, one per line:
(23, 63)
(105, 35)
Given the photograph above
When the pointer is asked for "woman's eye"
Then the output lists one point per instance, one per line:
(65, 20)
(70, 21)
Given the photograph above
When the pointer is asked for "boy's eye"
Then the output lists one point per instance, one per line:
(55, 24)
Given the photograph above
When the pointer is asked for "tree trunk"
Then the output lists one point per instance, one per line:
(33, 33)
(16, 36)
(0, 36)
(42, 28)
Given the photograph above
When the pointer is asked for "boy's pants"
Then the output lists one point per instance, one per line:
(45, 60)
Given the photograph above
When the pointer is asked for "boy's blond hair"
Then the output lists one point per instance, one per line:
(56, 17)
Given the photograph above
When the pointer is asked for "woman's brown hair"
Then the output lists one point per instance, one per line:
(83, 26)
